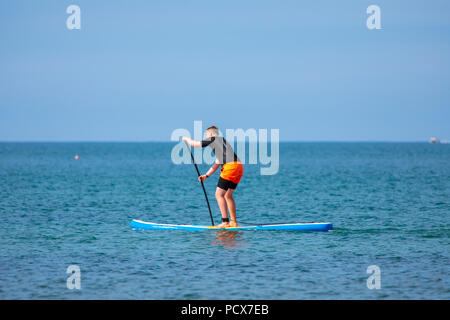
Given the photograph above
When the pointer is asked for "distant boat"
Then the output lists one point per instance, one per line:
(434, 140)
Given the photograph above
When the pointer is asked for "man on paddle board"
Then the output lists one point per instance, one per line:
(230, 174)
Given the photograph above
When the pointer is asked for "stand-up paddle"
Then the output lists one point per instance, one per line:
(312, 226)
(203, 187)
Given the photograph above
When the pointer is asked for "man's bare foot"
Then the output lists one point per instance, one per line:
(224, 225)
(233, 224)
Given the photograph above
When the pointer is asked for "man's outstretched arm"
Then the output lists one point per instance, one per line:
(192, 142)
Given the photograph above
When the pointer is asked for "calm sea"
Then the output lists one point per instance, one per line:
(389, 204)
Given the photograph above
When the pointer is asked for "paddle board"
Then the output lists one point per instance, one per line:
(313, 226)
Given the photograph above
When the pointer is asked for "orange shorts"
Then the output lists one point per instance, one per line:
(232, 171)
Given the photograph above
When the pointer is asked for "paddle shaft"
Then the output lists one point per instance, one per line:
(203, 187)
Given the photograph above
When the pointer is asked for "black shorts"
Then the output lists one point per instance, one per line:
(226, 184)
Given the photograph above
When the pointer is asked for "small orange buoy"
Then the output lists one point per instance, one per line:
(76, 157)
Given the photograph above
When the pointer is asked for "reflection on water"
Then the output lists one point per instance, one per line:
(229, 239)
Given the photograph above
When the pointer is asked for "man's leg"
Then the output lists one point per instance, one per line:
(231, 207)
(220, 197)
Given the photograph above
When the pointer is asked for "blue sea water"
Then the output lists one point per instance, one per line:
(389, 204)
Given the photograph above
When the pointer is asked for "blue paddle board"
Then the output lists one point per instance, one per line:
(313, 226)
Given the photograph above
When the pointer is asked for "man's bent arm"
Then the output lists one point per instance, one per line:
(213, 169)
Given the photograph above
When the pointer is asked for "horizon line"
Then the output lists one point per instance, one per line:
(169, 141)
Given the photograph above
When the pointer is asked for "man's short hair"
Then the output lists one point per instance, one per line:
(214, 129)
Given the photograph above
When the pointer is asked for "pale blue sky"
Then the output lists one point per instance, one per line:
(137, 70)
